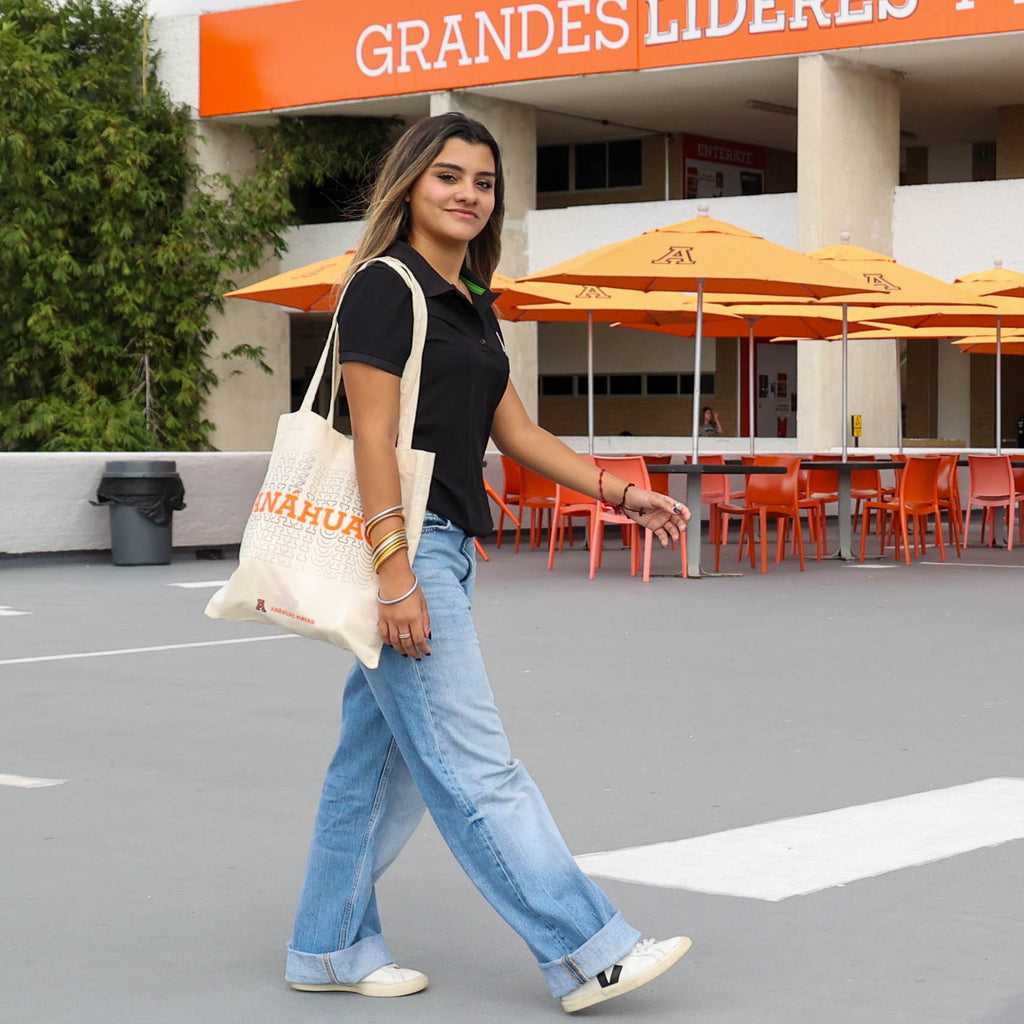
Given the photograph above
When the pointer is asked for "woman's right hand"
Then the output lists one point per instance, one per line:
(404, 626)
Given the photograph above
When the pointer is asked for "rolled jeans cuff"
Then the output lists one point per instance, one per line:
(600, 951)
(341, 967)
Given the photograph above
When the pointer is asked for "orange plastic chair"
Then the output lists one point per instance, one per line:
(537, 496)
(659, 481)
(569, 505)
(948, 493)
(991, 487)
(509, 492)
(916, 498)
(774, 496)
(866, 485)
(714, 491)
(821, 489)
(1018, 485)
(633, 470)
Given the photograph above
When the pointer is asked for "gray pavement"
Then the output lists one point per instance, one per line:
(156, 885)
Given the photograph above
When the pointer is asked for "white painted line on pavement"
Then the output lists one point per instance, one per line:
(7, 610)
(796, 856)
(200, 585)
(24, 782)
(974, 565)
(147, 650)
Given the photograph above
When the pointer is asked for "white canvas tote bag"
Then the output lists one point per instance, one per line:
(304, 564)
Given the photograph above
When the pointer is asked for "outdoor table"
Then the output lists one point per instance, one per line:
(845, 549)
(693, 530)
(845, 515)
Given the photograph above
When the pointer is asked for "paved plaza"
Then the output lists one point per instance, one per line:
(152, 879)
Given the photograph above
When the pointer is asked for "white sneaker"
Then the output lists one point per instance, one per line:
(390, 980)
(648, 959)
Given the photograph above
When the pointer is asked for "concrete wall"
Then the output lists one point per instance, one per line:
(47, 498)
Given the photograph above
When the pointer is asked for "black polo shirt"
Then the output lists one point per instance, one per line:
(464, 375)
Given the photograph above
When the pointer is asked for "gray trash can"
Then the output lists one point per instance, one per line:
(142, 495)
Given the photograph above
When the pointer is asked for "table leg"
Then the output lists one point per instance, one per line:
(693, 529)
(845, 551)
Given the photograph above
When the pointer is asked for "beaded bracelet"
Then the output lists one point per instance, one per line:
(621, 507)
(397, 600)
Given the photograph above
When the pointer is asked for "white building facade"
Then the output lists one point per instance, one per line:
(899, 122)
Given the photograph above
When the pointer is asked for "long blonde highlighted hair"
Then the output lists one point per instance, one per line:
(416, 151)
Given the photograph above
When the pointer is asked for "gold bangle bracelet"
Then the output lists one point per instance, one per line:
(387, 538)
(393, 549)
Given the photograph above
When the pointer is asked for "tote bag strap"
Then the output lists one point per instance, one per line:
(410, 386)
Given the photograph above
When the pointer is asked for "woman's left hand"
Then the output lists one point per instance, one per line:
(665, 516)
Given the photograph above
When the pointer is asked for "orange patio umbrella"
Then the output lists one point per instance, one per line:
(1004, 283)
(701, 255)
(764, 320)
(315, 287)
(590, 304)
(886, 283)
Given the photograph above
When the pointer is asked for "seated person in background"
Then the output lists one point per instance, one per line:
(709, 425)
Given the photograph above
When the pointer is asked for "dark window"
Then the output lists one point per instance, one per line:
(553, 169)
(663, 384)
(591, 166)
(341, 198)
(707, 384)
(625, 164)
(556, 385)
(626, 384)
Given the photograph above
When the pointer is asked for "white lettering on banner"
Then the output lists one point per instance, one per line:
(800, 8)
(716, 30)
(452, 42)
(655, 34)
(573, 26)
(405, 46)
(525, 10)
(603, 41)
(381, 51)
(848, 15)
(531, 30)
(758, 22)
(503, 42)
(897, 9)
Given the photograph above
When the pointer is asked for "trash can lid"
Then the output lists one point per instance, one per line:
(140, 467)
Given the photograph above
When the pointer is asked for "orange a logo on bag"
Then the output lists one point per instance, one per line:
(261, 604)
(286, 503)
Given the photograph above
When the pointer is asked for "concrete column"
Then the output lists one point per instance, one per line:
(848, 153)
(515, 128)
(245, 406)
(1010, 142)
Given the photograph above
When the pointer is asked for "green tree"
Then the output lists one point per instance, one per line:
(115, 247)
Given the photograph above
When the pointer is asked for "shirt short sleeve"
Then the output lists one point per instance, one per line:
(375, 320)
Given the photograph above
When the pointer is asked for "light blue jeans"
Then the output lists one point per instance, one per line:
(427, 732)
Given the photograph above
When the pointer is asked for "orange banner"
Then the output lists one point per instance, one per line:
(326, 51)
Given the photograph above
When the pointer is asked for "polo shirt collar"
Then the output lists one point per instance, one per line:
(432, 283)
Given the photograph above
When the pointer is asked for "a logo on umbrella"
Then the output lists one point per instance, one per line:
(591, 291)
(677, 254)
(879, 281)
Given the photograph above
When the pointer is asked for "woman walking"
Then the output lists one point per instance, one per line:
(421, 729)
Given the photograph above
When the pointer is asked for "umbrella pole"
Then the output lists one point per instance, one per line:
(696, 365)
(899, 397)
(845, 367)
(999, 385)
(751, 405)
(590, 381)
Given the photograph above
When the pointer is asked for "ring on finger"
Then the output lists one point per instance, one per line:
(404, 636)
